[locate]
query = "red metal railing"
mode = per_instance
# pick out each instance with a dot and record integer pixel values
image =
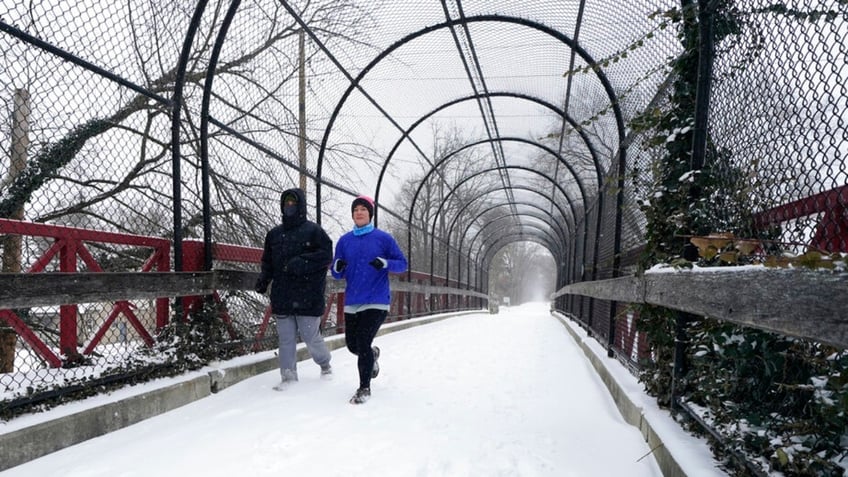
(831, 232)
(69, 249)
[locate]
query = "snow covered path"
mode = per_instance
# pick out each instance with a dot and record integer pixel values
(477, 395)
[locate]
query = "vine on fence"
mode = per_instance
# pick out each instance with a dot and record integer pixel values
(779, 401)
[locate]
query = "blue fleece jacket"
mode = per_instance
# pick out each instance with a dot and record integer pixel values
(366, 285)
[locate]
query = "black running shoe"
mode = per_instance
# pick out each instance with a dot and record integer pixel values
(376, 369)
(361, 395)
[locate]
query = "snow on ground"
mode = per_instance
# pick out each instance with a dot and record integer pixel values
(477, 395)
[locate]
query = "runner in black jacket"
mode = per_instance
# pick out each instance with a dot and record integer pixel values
(295, 261)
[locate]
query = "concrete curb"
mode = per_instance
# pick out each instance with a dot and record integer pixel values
(30, 443)
(630, 411)
(23, 445)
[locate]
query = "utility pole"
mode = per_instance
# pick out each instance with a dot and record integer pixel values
(12, 243)
(301, 110)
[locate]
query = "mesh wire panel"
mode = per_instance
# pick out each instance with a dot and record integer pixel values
(100, 148)
(86, 144)
(782, 141)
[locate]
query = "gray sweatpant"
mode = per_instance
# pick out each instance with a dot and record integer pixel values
(288, 327)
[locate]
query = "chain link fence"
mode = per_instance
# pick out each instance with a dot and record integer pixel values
(142, 133)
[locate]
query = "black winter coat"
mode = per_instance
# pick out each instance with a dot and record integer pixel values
(295, 260)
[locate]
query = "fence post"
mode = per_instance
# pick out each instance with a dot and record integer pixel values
(681, 339)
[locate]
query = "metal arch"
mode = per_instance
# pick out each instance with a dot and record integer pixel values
(515, 237)
(527, 169)
(463, 181)
(531, 143)
(449, 24)
(176, 110)
(551, 246)
(549, 198)
(557, 240)
(424, 180)
(550, 179)
(558, 245)
(204, 131)
(534, 231)
(560, 251)
(580, 131)
(495, 246)
(562, 233)
(409, 220)
(484, 171)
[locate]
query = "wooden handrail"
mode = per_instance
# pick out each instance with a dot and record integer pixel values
(809, 304)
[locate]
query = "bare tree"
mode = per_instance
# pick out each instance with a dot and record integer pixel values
(100, 155)
(436, 208)
(523, 271)
(256, 67)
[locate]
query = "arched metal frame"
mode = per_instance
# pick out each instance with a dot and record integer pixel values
(560, 112)
(463, 181)
(575, 47)
(477, 174)
(204, 131)
(525, 188)
(355, 85)
(508, 166)
(586, 140)
(554, 244)
(453, 154)
(563, 232)
(497, 245)
(355, 82)
(176, 110)
(599, 178)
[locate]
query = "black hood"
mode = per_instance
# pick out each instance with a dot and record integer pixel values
(301, 207)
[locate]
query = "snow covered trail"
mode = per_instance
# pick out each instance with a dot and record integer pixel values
(478, 395)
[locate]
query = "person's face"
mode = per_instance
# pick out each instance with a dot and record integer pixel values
(360, 216)
(289, 206)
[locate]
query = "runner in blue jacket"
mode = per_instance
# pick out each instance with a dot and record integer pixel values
(364, 258)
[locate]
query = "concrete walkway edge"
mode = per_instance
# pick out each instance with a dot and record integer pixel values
(630, 411)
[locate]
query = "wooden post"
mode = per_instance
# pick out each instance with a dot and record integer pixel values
(12, 243)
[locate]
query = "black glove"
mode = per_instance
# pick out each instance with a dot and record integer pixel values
(340, 265)
(377, 263)
(260, 286)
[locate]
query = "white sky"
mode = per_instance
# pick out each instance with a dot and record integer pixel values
(510, 394)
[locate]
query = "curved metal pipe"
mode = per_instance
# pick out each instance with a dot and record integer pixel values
(449, 24)
(176, 110)
(204, 132)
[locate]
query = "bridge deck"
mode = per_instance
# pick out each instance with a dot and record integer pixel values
(506, 394)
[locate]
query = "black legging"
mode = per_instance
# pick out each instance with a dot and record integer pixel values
(360, 330)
